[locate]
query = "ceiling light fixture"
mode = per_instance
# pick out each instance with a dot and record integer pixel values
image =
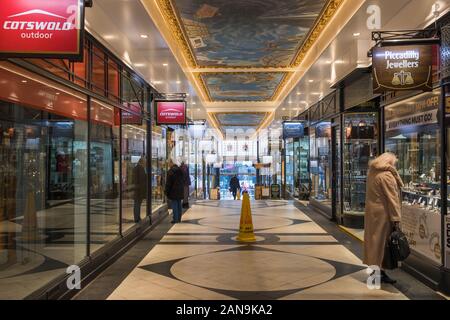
(357, 34)
(283, 109)
(298, 93)
(165, 64)
(310, 81)
(178, 82)
(144, 36)
(24, 81)
(138, 65)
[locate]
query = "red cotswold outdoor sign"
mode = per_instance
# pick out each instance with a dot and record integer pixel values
(41, 28)
(170, 112)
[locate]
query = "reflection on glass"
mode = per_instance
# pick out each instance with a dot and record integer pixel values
(104, 192)
(135, 182)
(43, 178)
(158, 166)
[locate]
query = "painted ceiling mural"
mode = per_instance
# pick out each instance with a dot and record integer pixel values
(242, 86)
(240, 119)
(245, 50)
(247, 33)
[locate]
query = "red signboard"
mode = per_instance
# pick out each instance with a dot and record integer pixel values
(41, 28)
(170, 112)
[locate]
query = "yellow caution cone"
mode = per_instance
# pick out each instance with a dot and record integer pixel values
(238, 194)
(246, 225)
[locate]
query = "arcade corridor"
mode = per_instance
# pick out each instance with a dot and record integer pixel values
(200, 259)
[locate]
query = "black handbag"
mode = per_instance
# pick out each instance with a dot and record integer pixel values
(398, 245)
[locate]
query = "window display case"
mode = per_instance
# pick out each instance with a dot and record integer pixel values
(290, 166)
(360, 146)
(320, 163)
(413, 134)
(302, 168)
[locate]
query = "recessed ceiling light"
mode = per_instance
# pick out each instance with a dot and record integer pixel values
(298, 93)
(310, 81)
(165, 64)
(290, 102)
(316, 93)
(24, 81)
(284, 109)
(193, 102)
(357, 34)
(138, 65)
(57, 93)
(157, 82)
(198, 109)
(144, 36)
(109, 36)
(187, 94)
(178, 82)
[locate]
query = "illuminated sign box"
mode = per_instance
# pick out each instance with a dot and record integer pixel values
(42, 29)
(170, 112)
(293, 130)
(399, 68)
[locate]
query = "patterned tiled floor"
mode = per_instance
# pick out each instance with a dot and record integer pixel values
(294, 258)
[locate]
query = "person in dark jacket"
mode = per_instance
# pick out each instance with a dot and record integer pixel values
(187, 182)
(140, 187)
(235, 185)
(175, 190)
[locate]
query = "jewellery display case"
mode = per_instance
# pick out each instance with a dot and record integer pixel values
(302, 168)
(360, 146)
(320, 163)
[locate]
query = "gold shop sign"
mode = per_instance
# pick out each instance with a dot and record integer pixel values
(399, 68)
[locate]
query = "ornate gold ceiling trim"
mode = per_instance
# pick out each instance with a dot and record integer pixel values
(175, 24)
(198, 77)
(287, 77)
(315, 32)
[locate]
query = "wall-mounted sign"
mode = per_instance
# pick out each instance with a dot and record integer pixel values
(170, 112)
(399, 68)
(293, 130)
(42, 29)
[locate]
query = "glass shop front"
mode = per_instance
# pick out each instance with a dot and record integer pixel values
(71, 150)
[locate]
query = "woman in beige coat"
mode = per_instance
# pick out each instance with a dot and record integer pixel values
(383, 210)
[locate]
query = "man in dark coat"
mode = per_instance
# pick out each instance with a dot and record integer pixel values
(234, 186)
(140, 187)
(187, 182)
(175, 190)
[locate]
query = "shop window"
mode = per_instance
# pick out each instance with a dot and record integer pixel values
(80, 69)
(104, 166)
(135, 180)
(320, 163)
(43, 181)
(113, 80)
(360, 146)
(98, 71)
(159, 166)
(413, 134)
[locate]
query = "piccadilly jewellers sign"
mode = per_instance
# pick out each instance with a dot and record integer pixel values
(170, 112)
(41, 28)
(401, 68)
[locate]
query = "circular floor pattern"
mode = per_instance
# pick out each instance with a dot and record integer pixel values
(232, 222)
(248, 270)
